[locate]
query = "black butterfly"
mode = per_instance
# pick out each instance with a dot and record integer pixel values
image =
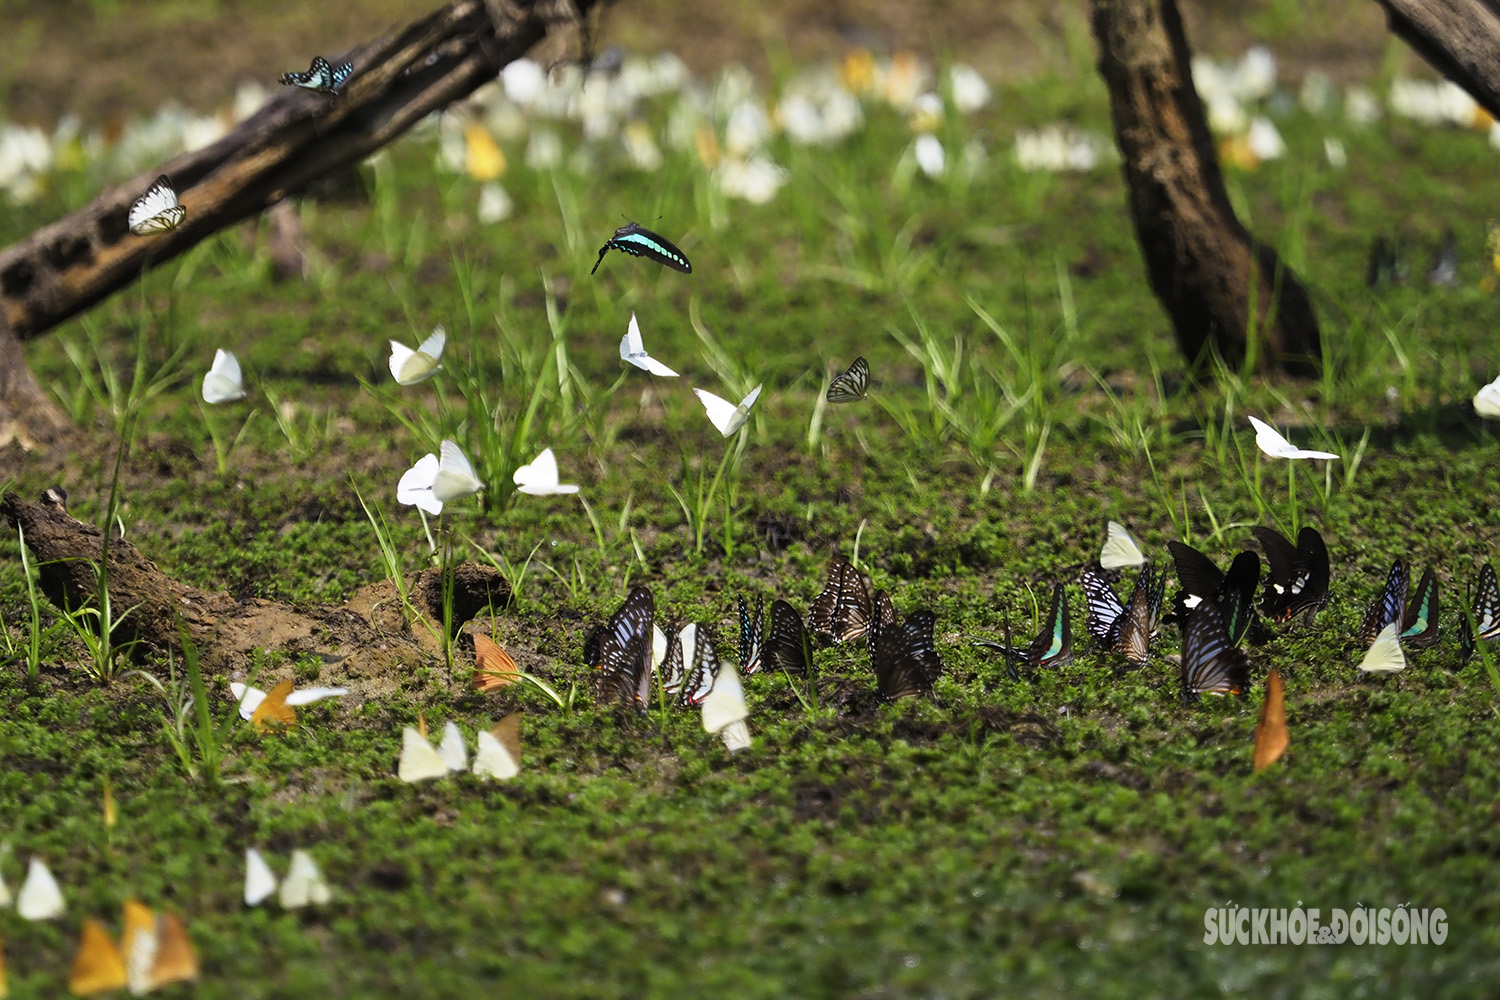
(621, 651)
(672, 665)
(842, 611)
(1387, 607)
(1485, 607)
(851, 386)
(641, 242)
(905, 656)
(320, 76)
(695, 649)
(1211, 663)
(1233, 592)
(752, 633)
(882, 615)
(1126, 628)
(1298, 580)
(1420, 623)
(1053, 645)
(786, 647)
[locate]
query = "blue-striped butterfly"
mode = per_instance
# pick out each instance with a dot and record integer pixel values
(842, 611)
(905, 656)
(1299, 575)
(1121, 627)
(621, 651)
(1419, 625)
(786, 646)
(320, 76)
(853, 385)
(1232, 591)
(1211, 663)
(1485, 607)
(1388, 606)
(1053, 645)
(641, 242)
(156, 211)
(752, 634)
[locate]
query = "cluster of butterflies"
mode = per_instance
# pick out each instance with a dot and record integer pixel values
(497, 754)
(159, 211)
(303, 886)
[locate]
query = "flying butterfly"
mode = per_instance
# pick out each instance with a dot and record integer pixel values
(1419, 625)
(752, 634)
(905, 657)
(842, 611)
(156, 211)
(1299, 576)
(621, 652)
(638, 241)
(1388, 605)
(1126, 628)
(1053, 645)
(853, 385)
(1211, 663)
(786, 647)
(320, 77)
(1233, 592)
(1121, 550)
(1485, 607)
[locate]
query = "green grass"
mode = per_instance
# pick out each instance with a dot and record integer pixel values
(1057, 835)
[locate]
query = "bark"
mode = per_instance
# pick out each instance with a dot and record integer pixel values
(1460, 38)
(1214, 279)
(29, 419)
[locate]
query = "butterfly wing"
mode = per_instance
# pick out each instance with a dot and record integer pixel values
(156, 211)
(906, 659)
(1235, 596)
(1419, 625)
(641, 242)
(1211, 663)
(853, 385)
(679, 652)
(260, 881)
(1198, 576)
(623, 651)
(1104, 608)
(224, 382)
(704, 670)
(1313, 573)
(98, 965)
(1131, 634)
(1121, 550)
(318, 77)
(752, 634)
(1385, 655)
(273, 712)
(786, 647)
(1271, 736)
(1053, 645)
(842, 611)
(1299, 575)
(493, 666)
(420, 760)
(455, 476)
(498, 754)
(1388, 604)
(340, 75)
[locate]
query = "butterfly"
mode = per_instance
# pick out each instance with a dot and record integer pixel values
(223, 383)
(724, 711)
(98, 965)
(905, 657)
(498, 753)
(882, 615)
(1233, 592)
(156, 950)
(493, 666)
(641, 242)
(1053, 645)
(455, 476)
(633, 350)
(752, 633)
(304, 884)
(320, 76)
(39, 897)
(724, 415)
(786, 648)
(842, 611)
(1126, 628)
(1486, 611)
(260, 881)
(693, 665)
(853, 385)
(273, 711)
(156, 211)
(250, 698)
(1121, 550)
(622, 652)
(1298, 580)
(1419, 625)
(1487, 400)
(540, 477)
(1211, 663)
(1268, 440)
(1388, 605)
(1385, 655)
(408, 367)
(420, 760)
(1271, 736)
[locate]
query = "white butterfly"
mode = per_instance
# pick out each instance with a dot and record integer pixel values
(455, 476)
(1385, 655)
(156, 211)
(1121, 550)
(498, 754)
(304, 884)
(727, 417)
(420, 760)
(260, 881)
(634, 351)
(415, 487)
(408, 367)
(251, 697)
(1273, 444)
(452, 750)
(724, 710)
(223, 382)
(39, 898)
(1487, 400)
(540, 477)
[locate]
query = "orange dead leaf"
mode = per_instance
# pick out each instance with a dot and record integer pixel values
(1271, 737)
(493, 667)
(273, 709)
(98, 966)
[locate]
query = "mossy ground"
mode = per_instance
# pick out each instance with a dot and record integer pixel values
(1061, 834)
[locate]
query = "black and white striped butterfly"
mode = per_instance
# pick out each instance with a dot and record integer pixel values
(156, 211)
(1388, 606)
(882, 615)
(1053, 645)
(1126, 628)
(905, 656)
(1211, 663)
(1233, 592)
(621, 651)
(842, 611)
(691, 665)
(1484, 605)
(752, 634)
(1299, 576)
(320, 76)
(786, 646)
(853, 385)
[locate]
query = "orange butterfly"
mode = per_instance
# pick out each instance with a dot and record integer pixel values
(274, 711)
(1271, 737)
(98, 966)
(493, 667)
(156, 949)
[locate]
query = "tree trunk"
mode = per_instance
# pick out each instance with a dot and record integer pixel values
(296, 137)
(1213, 278)
(1460, 38)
